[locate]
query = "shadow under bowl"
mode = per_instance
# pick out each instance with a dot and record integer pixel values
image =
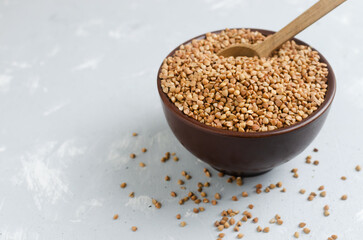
(246, 154)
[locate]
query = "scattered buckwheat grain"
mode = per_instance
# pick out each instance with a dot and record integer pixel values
(326, 213)
(240, 235)
(217, 196)
(239, 181)
(232, 221)
(306, 230)
(207, 173)
(272, 221)
(247, 214)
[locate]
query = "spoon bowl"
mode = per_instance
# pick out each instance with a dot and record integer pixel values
(237, 50)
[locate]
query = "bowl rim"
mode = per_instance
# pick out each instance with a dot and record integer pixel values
(228, 133)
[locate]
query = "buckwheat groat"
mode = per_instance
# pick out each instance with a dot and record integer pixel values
(245, 94)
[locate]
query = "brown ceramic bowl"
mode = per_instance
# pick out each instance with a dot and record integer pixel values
(246, 154)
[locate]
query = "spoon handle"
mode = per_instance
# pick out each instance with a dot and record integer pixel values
(303, 21)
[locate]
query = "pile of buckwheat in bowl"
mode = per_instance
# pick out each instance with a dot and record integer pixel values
(245, 94)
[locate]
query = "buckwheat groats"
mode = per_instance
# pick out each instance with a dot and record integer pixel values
(245, 94)
(203, 196)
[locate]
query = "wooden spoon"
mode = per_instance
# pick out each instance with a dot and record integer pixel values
(265, 48)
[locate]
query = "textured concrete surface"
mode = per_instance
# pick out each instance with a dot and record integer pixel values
(78, 77)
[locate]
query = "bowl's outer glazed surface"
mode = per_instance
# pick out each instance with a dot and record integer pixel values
(246, 154)
(239, 155)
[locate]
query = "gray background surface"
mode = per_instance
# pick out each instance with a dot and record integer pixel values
(78, 77)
